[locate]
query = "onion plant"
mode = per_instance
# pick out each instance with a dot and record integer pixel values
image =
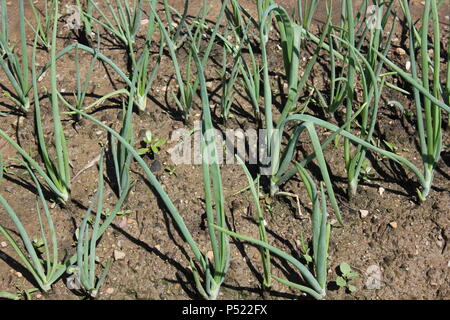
(50, 180)
(290, 38)
(280, 166)
(120, 155)
(86, 12)
(198, 29)
(235, 19)
(14, 63)
(212, 181)
(175, 29)
(124, 24)
(184, 102)
(146, 78)
(57, 175)
(42, 262)
(9, 296)
(306, 12)
(57, 169)
(85, 268)
(228, 82)
(146, 75)
(84, 271)
(291, 56)
(366, 67)
(370, 71)
(265, 253)
(188, 87)
(310, 122)
(81, 92)
(291, 53)
(43, 22)
(239, 21)
(19, 295)
(41, 257)
(82, 86)
(251, 75)
(316, 279)
(428, 111)
(127, 80)
(249, 72)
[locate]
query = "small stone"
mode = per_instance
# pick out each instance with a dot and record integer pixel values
(19, 275)
(41, 77)
(144, 22)
(123, 223)
(3, 244)
(393, 224)
(210, 255)
(408, 65)
(400, 51)
(363, 213)
(381, 191)
(110, 291)
(119, 255)
(155, 166)
(106, 118)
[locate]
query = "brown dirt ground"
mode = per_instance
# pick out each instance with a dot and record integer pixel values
(414, 256)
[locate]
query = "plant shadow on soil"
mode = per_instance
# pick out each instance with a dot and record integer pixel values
(413, 256)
